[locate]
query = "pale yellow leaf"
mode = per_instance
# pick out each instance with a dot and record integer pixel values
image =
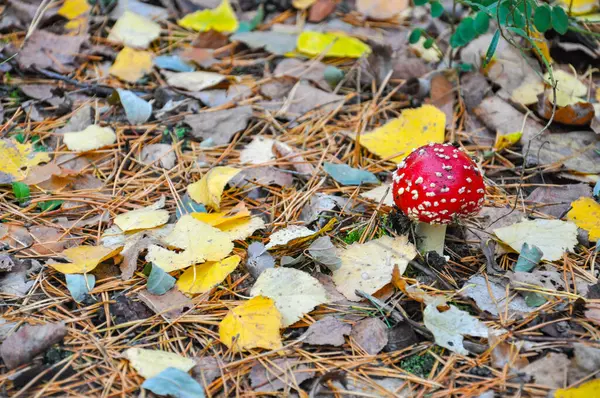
(84, 258)
(17, 159)
(569, 89)
(193, 81)
(369, 266)
(585, 213)
(381, 192)
(285, 235)
(203, 277)
(220, 19)
(209, 189)
(141, 219)
(303, 4)
(295, 292)
(93, 137)
(381, 9)
(331, 44)
(579, 7)
(242, 228)
(149, 363)
(133, 30)
(431, 54)
(527, 93)
(254, 324)
(552, 237)
(131, 65)
(413, 129)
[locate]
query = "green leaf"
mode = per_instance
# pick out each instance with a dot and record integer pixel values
(21, 191)
(80, 285)
(20, 138)
(50, 205)
(526, 7)
(428, 43)
(159, 282)
(530, 257)
(420, 2)
(466, 29)
(560, 20)
(248, 26)
(492, 48)
(456, 41)
(518, 19)
(333, 75)
(482, 22)
(504, 13)
(437, 9)
(415, 35)
(542, 19)
(533, 299)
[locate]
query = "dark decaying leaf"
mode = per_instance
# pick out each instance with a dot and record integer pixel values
(219, 126)
(171, 304)
(327, 331)
(370, 334)
(556, 200)
(283, 373)
(48, 50)
(29, 341)
(259, 259)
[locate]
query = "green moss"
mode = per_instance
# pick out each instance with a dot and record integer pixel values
(419, 364)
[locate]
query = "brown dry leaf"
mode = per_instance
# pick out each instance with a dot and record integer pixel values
(550, 371)
(29, 341)
(161, 155)
(308, 70)
(578, 113)
(207, 369)
(575, 150)
(51, 241)
(134, 246)
(39, 174)
(262, 176)
(220, 126)
(47, 50)
(279, 374)
(556, 200)
(171, 304)
(321, 10)
(201, 56)
(15, 236)
(303, 98)
(504, 353)
(370, 334)
(131, 65)
(292, 156)
(327, 331)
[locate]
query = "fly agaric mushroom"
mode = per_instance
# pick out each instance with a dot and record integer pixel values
(435, 185)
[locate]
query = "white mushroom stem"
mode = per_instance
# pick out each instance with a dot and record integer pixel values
(431, 237)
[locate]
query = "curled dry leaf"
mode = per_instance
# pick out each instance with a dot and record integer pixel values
(575, 113)
(209, 189)
(287, 235)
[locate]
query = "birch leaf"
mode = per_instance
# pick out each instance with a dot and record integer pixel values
(450, 327)
(209, 189)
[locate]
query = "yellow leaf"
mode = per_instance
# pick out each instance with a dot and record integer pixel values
(141, 219)
(199, 241)
(579, 7)
(431, 54)
(254, 324)
(586, 390)
(569, 89)
(303, 4)
(332, 44)
(193, 81)
(238, 226)
(224, 217)
(414, 128)
(93, 137)
(507, 140)
(221, 19)
(149, 363)
(72, 9)
(131, 65)
(203, 277)
(16, 159)
(585, 213)
(542, 45)
(84, 258)
(527, 93)
(133, 30)
(209, 189)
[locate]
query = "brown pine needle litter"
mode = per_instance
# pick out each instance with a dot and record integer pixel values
(540, 324)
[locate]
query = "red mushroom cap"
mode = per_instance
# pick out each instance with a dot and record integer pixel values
(438, 183)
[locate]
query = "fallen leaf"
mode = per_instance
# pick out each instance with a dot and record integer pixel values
(303, 4)
(93, 137)
(29, 341)
(193, 81)
(585, 213)
(431, 54)
(529, 258)
(292, 156)
(43, 92)
(209, 189)
(83, 259)
(573, 112)
(159, 282)
(327, 331)
(146, 10)
(207, 369)
(72, 9)
(274, 42)
(162, 155)
(259, 259)
(17, 159)
(331, 44)
(450, 327)
(219, 126)
(504, 141)
(382, 194)
(493, 297)
(501, 117)
(46, 50)
(281, 373)
(584, 363)
(170, 305)
(200, 242)
(321, 10)
(131, 65)
(265, 175)
(150, 363)
(286, 235)
(578, 7)
(174, 382)
(552, 237)
(16, 283)
(173, 63)
(413, 129)
(312, 70)
(575, 150)
(324, 252)
(380, 10)
(220, 19)
(303, 98)
(527, 93)
(203, 278)
(258, 151)
(135, 31)
(588, 389)
(80, 285)
(254, 324)
(324, 204)
(505, 353)
(370, 334)
(144, 218)
(347, 175)
(368, 266)
(137, 110)
(217, 97)
(294, 292)
(550, 371)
